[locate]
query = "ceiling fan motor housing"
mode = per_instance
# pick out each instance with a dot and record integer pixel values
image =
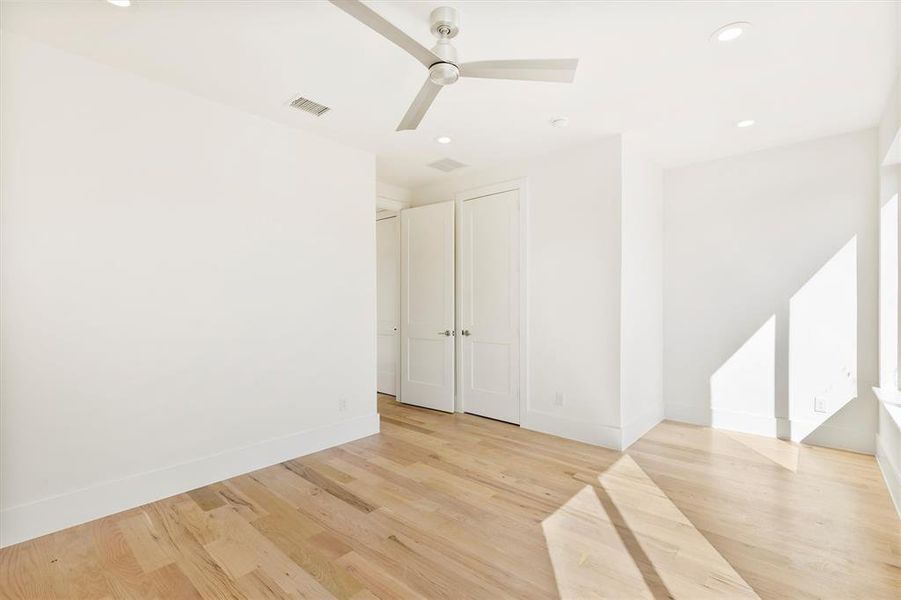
(444, 73)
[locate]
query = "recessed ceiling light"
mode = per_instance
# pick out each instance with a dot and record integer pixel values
(560, 122)
(443, 139)
(730, 32)
(745, 123)
(120, 3)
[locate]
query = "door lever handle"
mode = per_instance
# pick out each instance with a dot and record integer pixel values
(446, 332)
(465, 332)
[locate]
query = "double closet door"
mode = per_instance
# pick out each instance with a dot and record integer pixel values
(460, 306)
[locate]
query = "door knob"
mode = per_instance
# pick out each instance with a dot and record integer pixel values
(465, 332)
(446, 332)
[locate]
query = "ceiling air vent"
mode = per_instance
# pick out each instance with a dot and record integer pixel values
(306, 105)
(447, 165)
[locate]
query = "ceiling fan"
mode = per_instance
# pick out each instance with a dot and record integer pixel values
(441, 60)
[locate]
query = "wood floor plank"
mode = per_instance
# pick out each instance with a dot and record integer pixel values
(72, 564)
(118, 565)
(151, 549)
(323, 481)
(257, 584)
(376, 579)
(170, 583)
(204, 573)
(240, 548)
(25, 572)
(207, 498)
(455, 506)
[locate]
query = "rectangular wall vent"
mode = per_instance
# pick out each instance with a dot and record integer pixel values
(446, 164)
(307, 105)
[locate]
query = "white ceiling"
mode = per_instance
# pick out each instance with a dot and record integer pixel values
(805, 69)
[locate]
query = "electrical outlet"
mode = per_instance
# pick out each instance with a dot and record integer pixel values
(342, 404)
(819, 404)
(558, 399)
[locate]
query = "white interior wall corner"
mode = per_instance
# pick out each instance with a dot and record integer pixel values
(383, 189)
(745, 237)
(641, 342)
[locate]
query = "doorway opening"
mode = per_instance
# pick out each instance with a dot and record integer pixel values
(387, 228)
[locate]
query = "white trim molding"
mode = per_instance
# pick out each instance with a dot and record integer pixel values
(733, 420)
(888, 395)
(831, 436)
(27, 521)
(888, 446)
(774, 427)
(718, 418)
(382, 203)
(573, 429)
(890, 472)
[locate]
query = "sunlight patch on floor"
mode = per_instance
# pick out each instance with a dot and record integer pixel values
(652, 551)
(782, 452)
(688, 565)
(588, 555)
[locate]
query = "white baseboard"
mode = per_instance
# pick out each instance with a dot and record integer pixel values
(744, 422)
(641, 425)
(687, 413)
(821, 434)
(719, 418)
(890, 472)
(829, 436)
(573, 429)
(27, 521)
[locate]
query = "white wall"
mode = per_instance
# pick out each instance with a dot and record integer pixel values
(759, 245)
(889, 132)
(573, 290)
(642, 293)
(888, 437)
(173, 311)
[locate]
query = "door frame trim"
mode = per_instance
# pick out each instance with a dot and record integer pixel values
(520, 185)
(382, 216)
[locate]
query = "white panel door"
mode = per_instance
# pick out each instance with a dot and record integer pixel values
(427, 306)
(489, 311)
(387, 237)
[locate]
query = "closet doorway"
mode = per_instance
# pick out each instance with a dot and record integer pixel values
(463, 303)
(387, 241)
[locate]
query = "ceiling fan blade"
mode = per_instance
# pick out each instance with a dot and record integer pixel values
(561, 70)
(376, 22)
(420, 105)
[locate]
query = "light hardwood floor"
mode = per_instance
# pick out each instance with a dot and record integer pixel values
(455, 506)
